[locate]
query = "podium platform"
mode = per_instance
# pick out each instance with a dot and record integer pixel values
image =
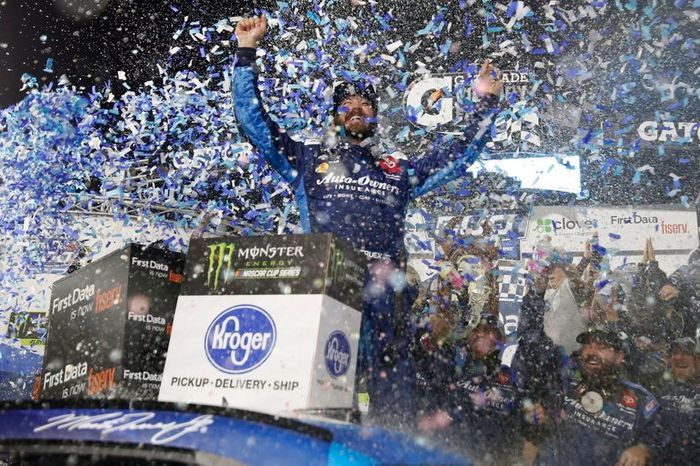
(109, 325)
(267, 323)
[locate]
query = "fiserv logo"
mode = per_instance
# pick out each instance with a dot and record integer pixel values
(337, 354)
(240, 339)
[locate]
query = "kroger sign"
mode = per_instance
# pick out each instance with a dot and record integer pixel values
(337, 354)
(240, 339)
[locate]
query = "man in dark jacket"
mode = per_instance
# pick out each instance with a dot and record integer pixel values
(680, 405)
(360, 196)
(478, 402)
(602, 417)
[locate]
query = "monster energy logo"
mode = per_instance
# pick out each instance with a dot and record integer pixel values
(218, 255)
(337, 260)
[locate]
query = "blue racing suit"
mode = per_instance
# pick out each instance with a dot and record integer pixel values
(583, 436)
(680, 421)
(347, 191)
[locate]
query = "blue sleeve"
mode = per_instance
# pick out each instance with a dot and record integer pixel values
(647, 428)
(277, 147)
(451, 156)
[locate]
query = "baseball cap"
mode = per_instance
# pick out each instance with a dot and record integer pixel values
(606, 333)
(345, 89)
(685, 343)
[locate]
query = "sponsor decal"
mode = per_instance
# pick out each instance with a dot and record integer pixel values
(164, 431)
(100, 381)
(147, 318)
(674, 228)
(290, 272)
(338, 264)
(322, 168)
(69, 373)
(650, 408)
(240, 339)
(676, 131)
(634, 219)
(337, 354)
(220, 254)
(629, 399)
(152, 265)
(107, 299)
(434, 102)
(362, 184)
(549, 225)
(175, 277)
(74, 297)
(141, 376)
(503, 378)
(270, 252)
(390, 165)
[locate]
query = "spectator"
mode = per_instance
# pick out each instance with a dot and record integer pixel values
(680, 405)
(652, 322)
(683, 291)
(482, 402)
(602, 418)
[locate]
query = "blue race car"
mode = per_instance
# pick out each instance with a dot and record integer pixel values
(149, 433)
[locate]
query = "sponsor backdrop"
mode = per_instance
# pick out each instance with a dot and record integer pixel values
(267, 323)
(109, 325)
(622, 231)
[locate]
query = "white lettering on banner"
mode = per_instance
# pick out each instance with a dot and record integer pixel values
(68, 373)
(74, 297)
(635, 219)
(247, 341)
(669, 131)
(270, 252)
(143, 376)
(149, 264)
(148, 318)
(365, 181)
(165, 433)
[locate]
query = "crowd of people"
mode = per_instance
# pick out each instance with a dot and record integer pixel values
(606, 369)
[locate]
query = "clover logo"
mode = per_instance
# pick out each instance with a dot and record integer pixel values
(544, 225)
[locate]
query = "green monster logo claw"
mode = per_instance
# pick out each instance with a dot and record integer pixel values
(337, 260)
(219, 254)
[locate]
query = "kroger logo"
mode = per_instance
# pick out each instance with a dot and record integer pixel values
(240, 339)
(337, 354)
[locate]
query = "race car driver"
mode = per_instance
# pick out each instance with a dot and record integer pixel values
(360, 196)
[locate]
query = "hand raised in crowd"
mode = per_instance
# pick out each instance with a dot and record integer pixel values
(649, 254)
(250, 31)
(637, 455)
(587, 249)
(668, 292)
(489, 80)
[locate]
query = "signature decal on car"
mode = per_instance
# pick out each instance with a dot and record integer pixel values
(164, 432)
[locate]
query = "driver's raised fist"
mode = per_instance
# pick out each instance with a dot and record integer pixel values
(249, 31)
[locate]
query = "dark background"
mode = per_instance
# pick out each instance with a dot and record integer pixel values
(91, 40)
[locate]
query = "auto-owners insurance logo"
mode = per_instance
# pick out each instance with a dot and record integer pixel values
(240, 339)
(337, 354)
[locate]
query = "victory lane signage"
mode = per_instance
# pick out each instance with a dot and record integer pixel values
(268, 323)
(235, 351)
(109, 326)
